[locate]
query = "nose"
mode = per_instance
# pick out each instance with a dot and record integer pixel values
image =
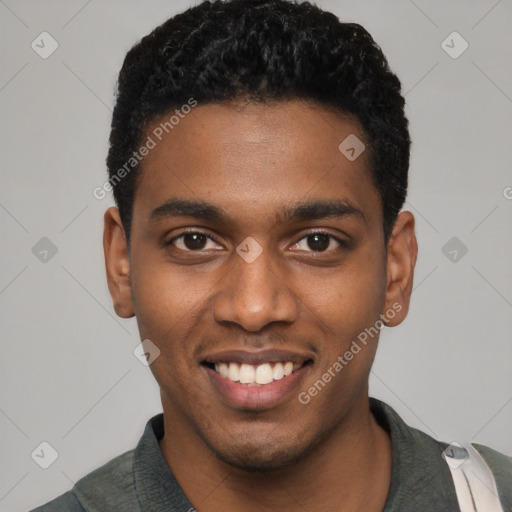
(254, 294)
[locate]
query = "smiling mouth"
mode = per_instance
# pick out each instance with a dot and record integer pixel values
(255, 375)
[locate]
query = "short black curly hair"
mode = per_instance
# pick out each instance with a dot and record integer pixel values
(262, 50)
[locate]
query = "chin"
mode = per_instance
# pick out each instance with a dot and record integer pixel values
(262, 457)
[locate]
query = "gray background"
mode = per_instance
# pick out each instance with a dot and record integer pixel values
(68, 373)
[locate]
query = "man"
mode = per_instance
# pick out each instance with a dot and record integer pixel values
(259, 157)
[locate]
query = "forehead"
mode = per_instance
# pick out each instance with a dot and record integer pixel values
(252, 159)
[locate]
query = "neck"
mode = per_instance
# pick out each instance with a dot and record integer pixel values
(350, 471)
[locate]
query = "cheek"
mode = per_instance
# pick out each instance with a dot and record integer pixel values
(350, 298)
(346, 305)
(167, 309)
(167, 302)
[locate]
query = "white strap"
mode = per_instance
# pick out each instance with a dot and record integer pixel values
(474, 482)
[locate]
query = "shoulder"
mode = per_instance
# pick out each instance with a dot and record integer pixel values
(108, 487)
(421, 473)
(495, 459)
(501, 468)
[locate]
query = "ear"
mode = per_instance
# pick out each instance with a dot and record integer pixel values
(117, 263)
(401, 259)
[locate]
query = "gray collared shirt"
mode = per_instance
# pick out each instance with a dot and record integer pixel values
(141, 480)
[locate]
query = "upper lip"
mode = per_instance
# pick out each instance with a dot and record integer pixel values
(257, 357)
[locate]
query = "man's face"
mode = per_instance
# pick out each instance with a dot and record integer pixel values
(203, 292)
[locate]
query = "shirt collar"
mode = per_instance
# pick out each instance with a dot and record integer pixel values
(417, 468)
(156, 486)
(419, 475)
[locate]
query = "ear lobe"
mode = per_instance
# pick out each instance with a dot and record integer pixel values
(117, 263)
(401, 260)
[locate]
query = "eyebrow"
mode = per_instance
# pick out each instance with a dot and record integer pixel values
(300, 211)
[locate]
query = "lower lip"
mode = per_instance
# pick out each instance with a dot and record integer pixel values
(255, 397)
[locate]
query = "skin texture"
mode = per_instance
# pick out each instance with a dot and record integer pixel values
(254, 160)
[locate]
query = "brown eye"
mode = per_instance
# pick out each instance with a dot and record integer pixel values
(191, 241)
(319, 242)
(194, 241)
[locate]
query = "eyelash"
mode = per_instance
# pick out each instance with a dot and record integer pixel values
(342, 243)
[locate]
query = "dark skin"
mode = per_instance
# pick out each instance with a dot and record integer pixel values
(314, 296)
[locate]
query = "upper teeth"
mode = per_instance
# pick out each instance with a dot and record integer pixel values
(256, 374)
